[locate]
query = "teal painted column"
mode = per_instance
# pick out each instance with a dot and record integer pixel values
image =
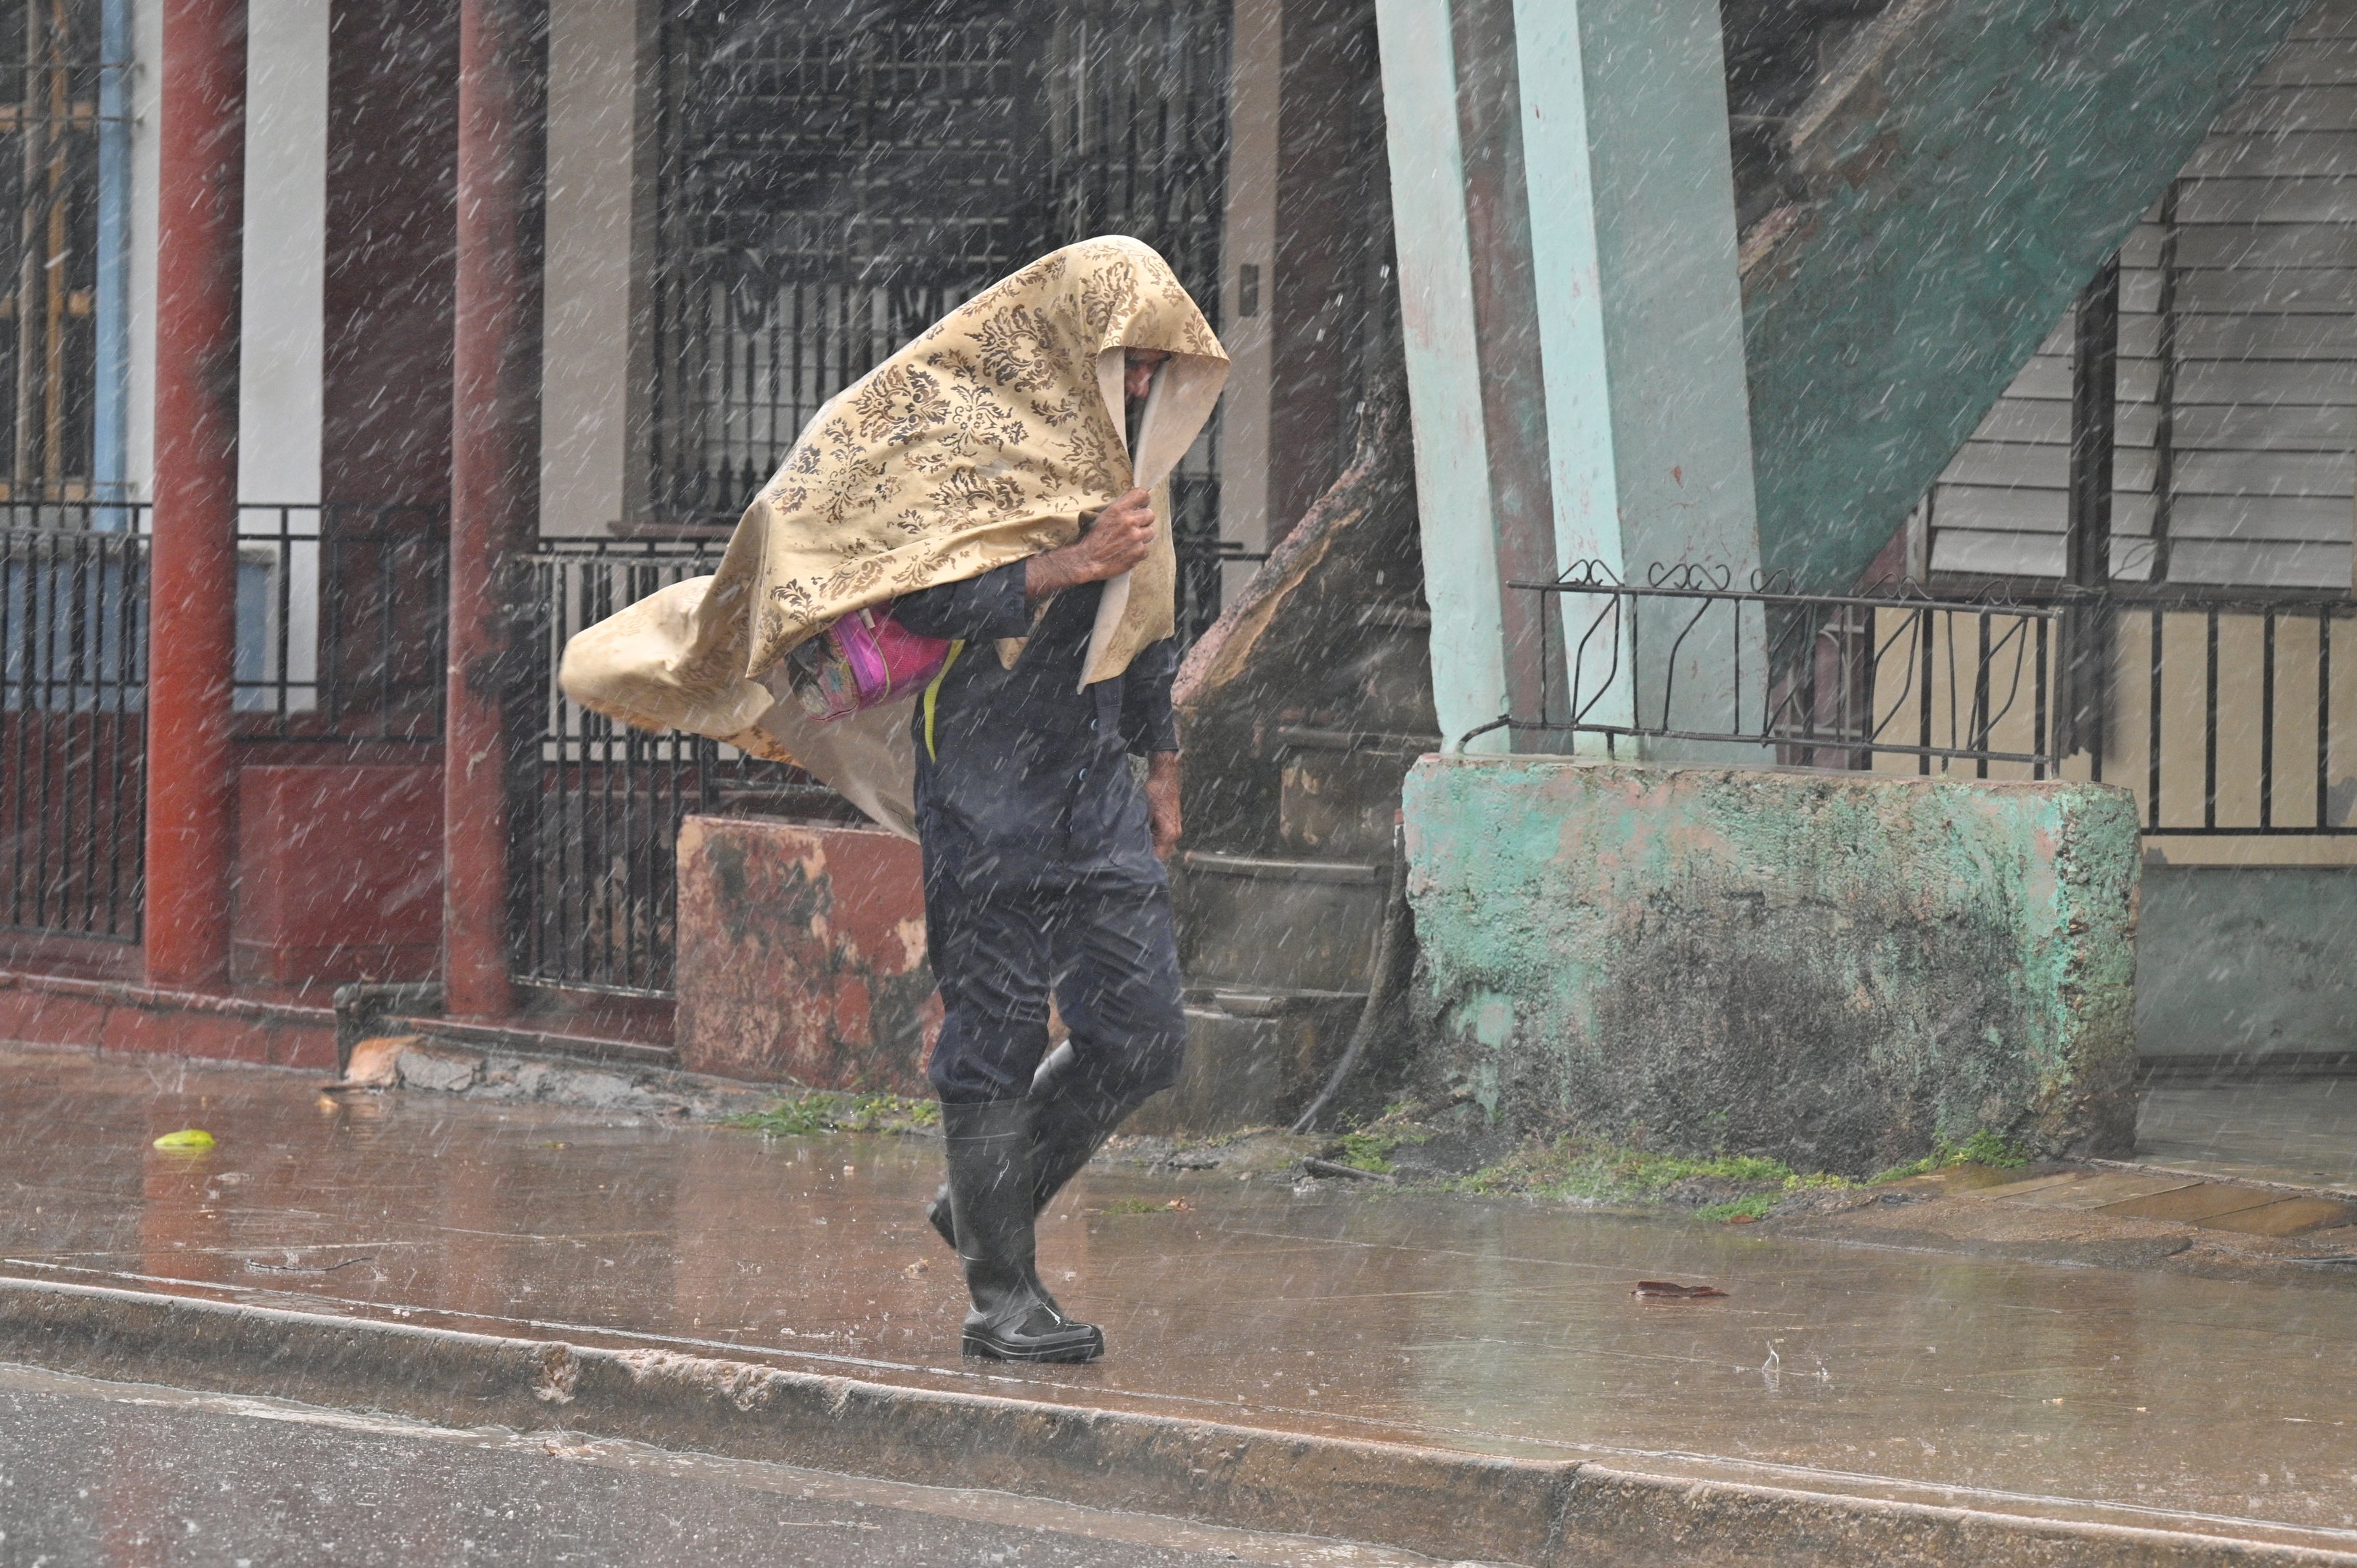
(1444, 366)
(1641, 321)
(1637, 308)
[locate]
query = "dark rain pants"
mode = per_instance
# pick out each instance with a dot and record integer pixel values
(1108, 955)
(1040, 876)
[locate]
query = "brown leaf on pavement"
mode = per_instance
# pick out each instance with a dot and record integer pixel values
(1662, 1290)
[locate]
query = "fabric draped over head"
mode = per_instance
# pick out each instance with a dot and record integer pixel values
(987, 440)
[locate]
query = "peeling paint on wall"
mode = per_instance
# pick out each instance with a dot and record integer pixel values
(1835, 970)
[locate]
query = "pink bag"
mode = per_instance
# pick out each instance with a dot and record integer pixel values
(862, 661)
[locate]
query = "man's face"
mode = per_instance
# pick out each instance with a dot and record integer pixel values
(1138, 375)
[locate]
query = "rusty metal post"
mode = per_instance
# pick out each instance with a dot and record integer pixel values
(494, 475)
(192, 625)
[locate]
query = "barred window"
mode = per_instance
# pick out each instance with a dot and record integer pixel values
(51, 119)
(835, 178)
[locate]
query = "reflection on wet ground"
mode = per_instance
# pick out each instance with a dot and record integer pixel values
(1493, 1325)
(2301, 1131)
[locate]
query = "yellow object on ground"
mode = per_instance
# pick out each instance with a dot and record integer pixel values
(186, 1141)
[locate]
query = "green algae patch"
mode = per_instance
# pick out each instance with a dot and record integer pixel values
(822, 1111)
(1370, 1148)
(1741, 1211)
(1721, 1187)
(1983, 1148)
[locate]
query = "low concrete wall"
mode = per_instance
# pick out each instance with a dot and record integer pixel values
(801, 956)
(2246, 960)
(1832, 969)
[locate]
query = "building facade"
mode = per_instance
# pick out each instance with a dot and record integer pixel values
(359, 354)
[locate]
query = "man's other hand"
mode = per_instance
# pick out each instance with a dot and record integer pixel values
(1117, 540)
(1162, 801)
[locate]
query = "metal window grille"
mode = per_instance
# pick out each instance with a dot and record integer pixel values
(832, 184)
(50, 125)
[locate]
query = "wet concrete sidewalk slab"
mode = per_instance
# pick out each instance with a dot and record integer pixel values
(1487, 1326)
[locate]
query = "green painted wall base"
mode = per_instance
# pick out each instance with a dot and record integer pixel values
(1833, 969)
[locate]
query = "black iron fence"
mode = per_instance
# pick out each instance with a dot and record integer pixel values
(599, 804)
(341, 612)
(73, 731)
(1767, 674)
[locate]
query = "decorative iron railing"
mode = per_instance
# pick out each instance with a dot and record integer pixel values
(1767, 674)
(2224, 715)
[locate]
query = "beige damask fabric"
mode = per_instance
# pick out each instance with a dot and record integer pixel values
(985, 441)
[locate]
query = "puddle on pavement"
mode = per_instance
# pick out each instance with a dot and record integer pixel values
(1497, 1325)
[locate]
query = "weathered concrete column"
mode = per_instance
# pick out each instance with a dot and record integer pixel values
(1441, 339)
(192, 567)
(1640, 320)
(494, 474)
(1610, 280)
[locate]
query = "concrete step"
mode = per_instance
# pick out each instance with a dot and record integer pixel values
(1339, 790)
(1254, 1059)
(1270, 924)
(1386, 681)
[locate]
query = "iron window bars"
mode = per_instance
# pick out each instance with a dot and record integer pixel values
(56, 100)
(827, 191)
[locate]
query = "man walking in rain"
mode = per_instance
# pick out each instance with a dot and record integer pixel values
(992, 486)
(1043, 872)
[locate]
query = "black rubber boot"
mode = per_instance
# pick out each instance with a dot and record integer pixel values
(1070, 1121)
(990, 1200)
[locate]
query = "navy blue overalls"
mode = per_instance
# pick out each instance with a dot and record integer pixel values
(1039, 855)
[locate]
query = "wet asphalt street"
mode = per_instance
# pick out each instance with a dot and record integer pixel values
(120, 1474)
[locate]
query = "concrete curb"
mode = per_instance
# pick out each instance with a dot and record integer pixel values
(1450, 1505)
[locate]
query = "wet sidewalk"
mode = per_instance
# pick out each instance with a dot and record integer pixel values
(2133, 1398)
